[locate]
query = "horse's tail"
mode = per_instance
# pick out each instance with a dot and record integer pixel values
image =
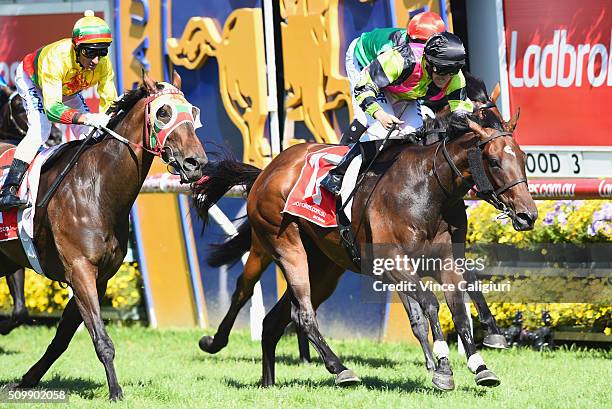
(232, 250)
(218, 178)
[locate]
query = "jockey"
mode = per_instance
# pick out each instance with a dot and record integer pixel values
(50, 81)
(393, 82)
(365, 48)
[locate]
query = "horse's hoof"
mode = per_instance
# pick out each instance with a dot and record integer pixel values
(347, 378)
(443, 382)
(497, 341)
(116, 396)
(207, 344)
(486, 378)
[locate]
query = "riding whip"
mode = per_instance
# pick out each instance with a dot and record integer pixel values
(66, 169)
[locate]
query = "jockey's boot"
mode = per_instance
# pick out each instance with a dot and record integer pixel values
(8, 194)
(333, 181)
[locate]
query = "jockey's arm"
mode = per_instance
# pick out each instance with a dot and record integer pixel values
(456, 94)
(387, 69)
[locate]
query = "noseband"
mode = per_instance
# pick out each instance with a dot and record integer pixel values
(19, 129)
(485, 188)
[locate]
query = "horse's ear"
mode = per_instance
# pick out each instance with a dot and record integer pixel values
(476, 128)
(495, 93)
(176, 79)
(511, 124)
(148, 82)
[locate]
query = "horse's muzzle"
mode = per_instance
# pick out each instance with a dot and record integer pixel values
(523, 221)
(192, 168)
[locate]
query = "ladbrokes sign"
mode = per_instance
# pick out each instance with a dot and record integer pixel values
(560, 70)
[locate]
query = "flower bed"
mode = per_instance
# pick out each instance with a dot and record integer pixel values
(562, 221)
(45, 297)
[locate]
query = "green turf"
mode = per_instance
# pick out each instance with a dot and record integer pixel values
(165, 368)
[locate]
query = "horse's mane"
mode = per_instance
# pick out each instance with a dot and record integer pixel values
(475, 88)
(123, 105)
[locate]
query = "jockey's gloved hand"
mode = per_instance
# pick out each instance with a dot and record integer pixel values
(96, 120)
(458, 123)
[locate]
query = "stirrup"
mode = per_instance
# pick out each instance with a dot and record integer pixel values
(9, 200)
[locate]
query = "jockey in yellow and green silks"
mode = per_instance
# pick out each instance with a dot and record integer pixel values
(50, 81)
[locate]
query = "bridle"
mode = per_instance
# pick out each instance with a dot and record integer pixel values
(19, 129)
(485, 190)
(154, 136)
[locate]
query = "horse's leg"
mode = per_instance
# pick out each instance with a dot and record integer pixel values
(256, 264)
(303, 347)
(324, 278)
(71, 319)
(83, 281)
(272, 332)
(457, 218)
(494, 337)
(420, 328)
(443, 374)
(455, 302)
(19, 315)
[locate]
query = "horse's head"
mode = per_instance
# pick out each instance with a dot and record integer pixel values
(170, 124)
(504, 167)
(15, 119)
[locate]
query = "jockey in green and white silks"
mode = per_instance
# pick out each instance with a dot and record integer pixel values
(368, 46)
(391, 85)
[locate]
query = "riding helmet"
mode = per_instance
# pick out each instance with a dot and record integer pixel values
(445, 53)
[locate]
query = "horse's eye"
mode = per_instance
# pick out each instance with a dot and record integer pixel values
(494, 163)
(163, 113)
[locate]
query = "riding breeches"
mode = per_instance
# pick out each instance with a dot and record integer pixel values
(411, 115)
(39, 126)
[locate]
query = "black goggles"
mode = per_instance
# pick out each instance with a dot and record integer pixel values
(446, 70)
(94, 52)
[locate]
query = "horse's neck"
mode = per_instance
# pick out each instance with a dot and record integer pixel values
(129, 164)
(457, 149)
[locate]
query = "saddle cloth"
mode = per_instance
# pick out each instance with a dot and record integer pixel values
(307, 200)
(20, 224)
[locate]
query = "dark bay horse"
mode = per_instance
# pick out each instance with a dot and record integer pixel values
(221, 255)
(82, 234)
(422, 186)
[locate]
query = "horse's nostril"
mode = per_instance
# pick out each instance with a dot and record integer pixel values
(525, 218)
(191, 164)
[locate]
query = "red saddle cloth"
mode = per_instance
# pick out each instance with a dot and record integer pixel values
(307, 200)
(8, 219)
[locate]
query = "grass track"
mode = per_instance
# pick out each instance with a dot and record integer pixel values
(165, 369)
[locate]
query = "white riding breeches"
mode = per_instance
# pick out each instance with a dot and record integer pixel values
(39, 126)
(411, 115)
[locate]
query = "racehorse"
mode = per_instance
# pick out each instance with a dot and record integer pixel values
(82, 233)
(423, 186)
(226, 254)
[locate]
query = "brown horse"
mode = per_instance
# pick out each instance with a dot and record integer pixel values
(422, 186)
(82, 234)
(221, 255)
